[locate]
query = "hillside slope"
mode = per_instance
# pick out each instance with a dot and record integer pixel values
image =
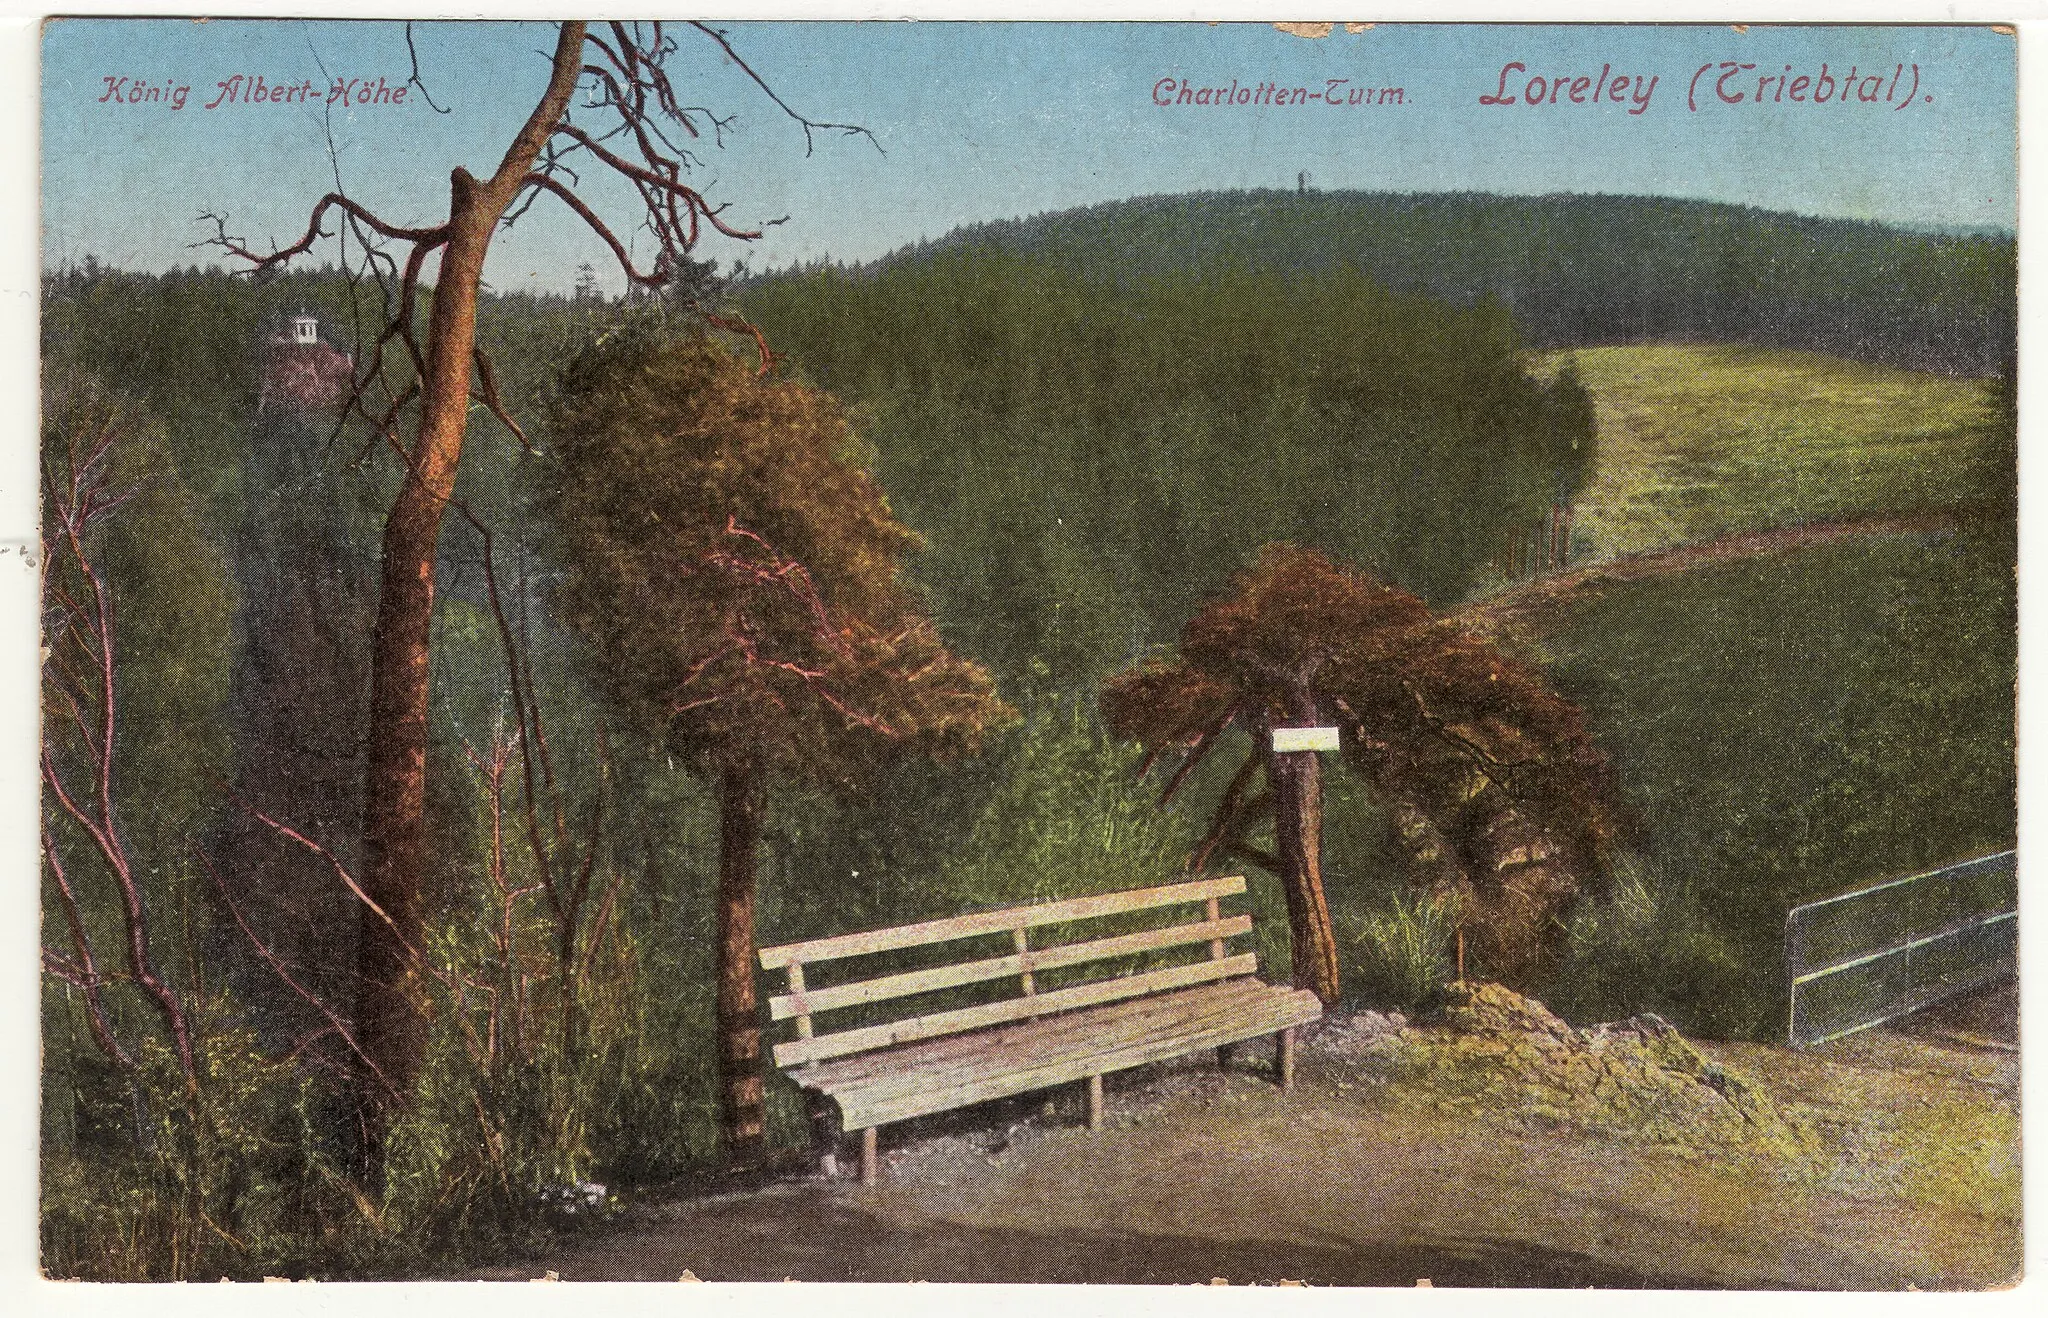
(1574, 270)
(1696, 441)
(1792, 628)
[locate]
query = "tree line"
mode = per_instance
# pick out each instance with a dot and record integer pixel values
(1574, 270)
(571, 922)
(1088, 461)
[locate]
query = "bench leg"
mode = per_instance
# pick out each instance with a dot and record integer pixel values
(1095, 1102)
(869, 1157)
(1224, 1054)
(1283, 1060)
(825, 1133)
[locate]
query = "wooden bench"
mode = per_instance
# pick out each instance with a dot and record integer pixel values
(861, 1077)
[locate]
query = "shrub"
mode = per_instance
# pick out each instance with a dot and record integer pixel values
(1650, 946)
(1070, 818)
(1402, 951)
(143, 1181)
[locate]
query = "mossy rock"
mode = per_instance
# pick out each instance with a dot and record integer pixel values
(1500, 1053)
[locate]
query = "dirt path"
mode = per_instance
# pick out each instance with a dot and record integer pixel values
(1203, 1174)
(1514, 612)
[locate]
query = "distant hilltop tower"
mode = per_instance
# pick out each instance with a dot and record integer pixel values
(302, 371)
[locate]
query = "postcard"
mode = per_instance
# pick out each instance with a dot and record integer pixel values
(1328, 654)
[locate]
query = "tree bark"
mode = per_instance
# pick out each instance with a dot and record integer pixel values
(1297, 778)
(390, 1023)
(1298, 834)
(741, 802)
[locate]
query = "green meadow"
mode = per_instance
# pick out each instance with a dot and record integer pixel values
(1697, 440)
(1800, 723)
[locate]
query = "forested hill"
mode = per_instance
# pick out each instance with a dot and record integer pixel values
(1575, 270)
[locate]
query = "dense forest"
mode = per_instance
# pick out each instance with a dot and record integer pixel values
(1574, 270)
(1090, 423)
(1089, 461)
(1071, 520)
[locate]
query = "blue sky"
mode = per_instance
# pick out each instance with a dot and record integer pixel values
(988, 121)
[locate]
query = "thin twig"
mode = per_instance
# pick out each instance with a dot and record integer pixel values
(809, 125)
(415, 80)
(271, 959)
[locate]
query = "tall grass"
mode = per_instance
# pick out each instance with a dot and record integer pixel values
(1401, 951)
(145, 1181)
(1071, 817)
(1796, 726)
(1648, 945)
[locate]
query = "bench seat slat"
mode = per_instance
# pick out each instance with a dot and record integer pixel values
(943, 1058)
(1042, 1054)
(993, 1013)
(939, 1065)
(878, 1107)
(1000, 921)
(1045, 1072)
(881, 989)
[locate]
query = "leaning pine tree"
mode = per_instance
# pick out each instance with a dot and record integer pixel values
(738, 578)
(1494, 789)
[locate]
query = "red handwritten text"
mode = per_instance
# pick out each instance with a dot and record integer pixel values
(1728, 83)
(1330, 92)
(1576, 89)
(1715, 84)
(255, 89)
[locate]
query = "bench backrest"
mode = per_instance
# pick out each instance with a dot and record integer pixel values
(1208, 925)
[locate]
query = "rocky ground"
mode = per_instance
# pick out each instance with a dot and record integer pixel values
(1498, 1146)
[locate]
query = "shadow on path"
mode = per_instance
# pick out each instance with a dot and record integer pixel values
(816, 1237)
(1986, 1018)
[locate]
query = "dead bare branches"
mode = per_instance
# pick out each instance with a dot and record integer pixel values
(84, 972)
(809, 126)
(640, 133)
(78, 752)
(270, 958)
(630, 123)
(414, 80)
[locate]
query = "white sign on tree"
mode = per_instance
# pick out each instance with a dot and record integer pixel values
(1304, 739)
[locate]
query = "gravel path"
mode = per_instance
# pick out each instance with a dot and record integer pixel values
(1202, 1174)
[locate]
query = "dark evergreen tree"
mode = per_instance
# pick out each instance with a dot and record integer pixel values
(738, 579)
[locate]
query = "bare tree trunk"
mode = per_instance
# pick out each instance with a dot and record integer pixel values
(741, 802)
(389, 1020)
(1297, 778)
(1298, 831)
(388, 1017)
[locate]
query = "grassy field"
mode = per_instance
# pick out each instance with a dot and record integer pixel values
(1797, 725)
(1699, 440)
(1793, 723)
